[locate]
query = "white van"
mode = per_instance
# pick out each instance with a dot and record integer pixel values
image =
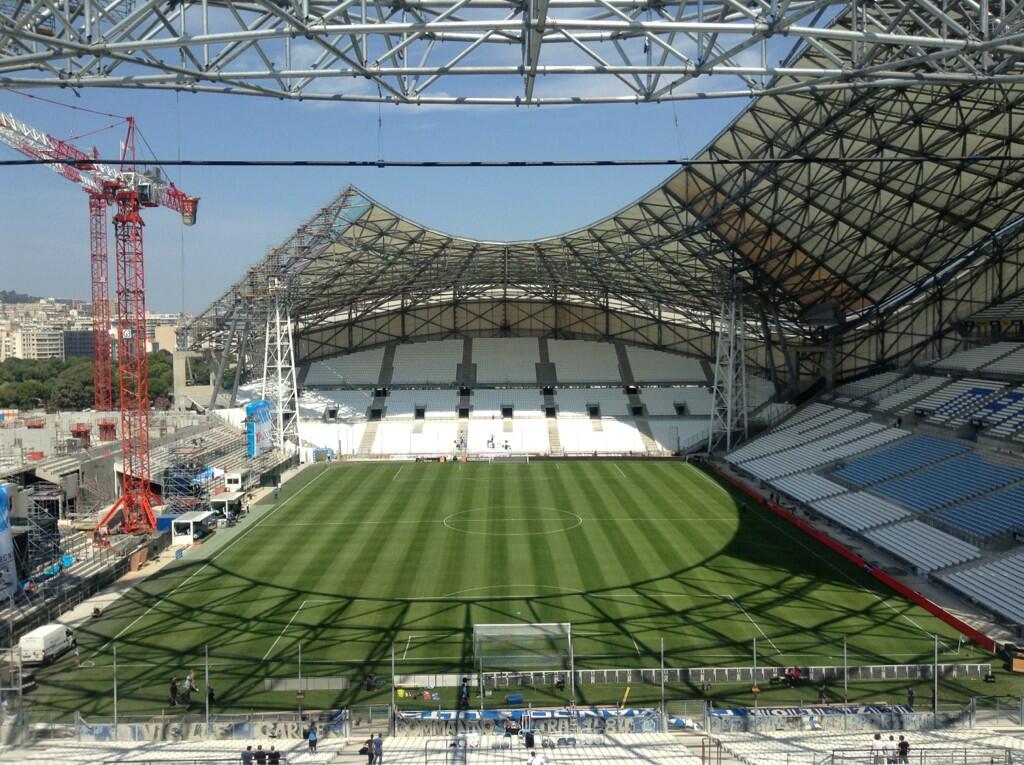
(45, 643)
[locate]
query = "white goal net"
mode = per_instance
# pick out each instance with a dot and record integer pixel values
(499, 647)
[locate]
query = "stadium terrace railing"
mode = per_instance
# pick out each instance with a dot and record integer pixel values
(701, 675)
(927, 756)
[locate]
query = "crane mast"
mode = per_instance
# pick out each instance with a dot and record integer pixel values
(130, 191)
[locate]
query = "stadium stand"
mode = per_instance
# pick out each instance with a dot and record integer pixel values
(960, 478)
(1011, 364)
(922, 546)
(954, 403)
(999, 410)
(867, 386)
(811, 422)
(490, 436)
(804, 748)
(664, 401)
(822, 451)
(988, 516)
(360, 368)
(348, 404)
(974, 359)
(859, 510)
(293, 752)
(615, 437)
(436, 403)
(679, 434)
(525, 402)
(807, 487)
(920, 385)
(995, 584)
(584, 361)
(433, 362)
(575, 402)
(506, 359)
(651, 366)
(909, 454)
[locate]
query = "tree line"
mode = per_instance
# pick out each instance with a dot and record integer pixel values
(55, 384)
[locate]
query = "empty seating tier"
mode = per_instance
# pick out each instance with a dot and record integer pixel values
(1010, 364)
(985, 517)
(506, 359)
(808, 487)
(900, 400)
(940, 485)
(909, 454)
(488, 403)
(435, 403)
(975, 358)
(576, 402)
(822, 451)
(997, 584)
(361, 368)
(678, 434)
(924, 547)
(435, 362)
(868, 385)
(583, 361)
(859, 510)
(651, 366)
(666, 401)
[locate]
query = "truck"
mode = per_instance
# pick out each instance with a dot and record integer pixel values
(43, 644)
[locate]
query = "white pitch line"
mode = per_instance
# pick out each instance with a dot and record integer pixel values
(283, 630)
(214, 557)
(406, 651)
(399, 471)
(620, 470)
(741, 608)
(635, 645)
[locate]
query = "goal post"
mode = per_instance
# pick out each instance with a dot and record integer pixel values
(523, 646)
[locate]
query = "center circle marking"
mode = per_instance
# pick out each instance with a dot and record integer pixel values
(570, 519)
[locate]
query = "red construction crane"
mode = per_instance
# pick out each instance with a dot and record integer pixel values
(130, 190)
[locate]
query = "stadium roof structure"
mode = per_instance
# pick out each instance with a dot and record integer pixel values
(452, 52)
(862, 223)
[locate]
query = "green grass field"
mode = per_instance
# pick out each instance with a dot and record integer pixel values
(355, 559)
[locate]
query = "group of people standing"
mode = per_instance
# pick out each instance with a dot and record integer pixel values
(182, 694)
(890, 752)
(374, 750)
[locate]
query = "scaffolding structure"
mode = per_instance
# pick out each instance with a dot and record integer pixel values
(186, 481)
(45, 507)
(280, 384)
(729, 391)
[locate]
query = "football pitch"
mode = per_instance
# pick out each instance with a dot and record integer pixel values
(356, 563)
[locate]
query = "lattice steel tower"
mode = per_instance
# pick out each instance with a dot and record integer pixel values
(729, 391)
(280, 385)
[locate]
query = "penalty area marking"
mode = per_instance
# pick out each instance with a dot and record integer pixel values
(741, 608)
(214, 557)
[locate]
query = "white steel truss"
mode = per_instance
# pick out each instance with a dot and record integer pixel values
(280, 384)
(729, 390)
(512, 52)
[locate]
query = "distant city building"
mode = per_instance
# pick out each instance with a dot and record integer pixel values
(77, 343)
(39, 342)
(62, 328)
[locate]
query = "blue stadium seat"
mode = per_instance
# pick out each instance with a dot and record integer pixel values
(940, 485)
(988, 516)
(909, 454)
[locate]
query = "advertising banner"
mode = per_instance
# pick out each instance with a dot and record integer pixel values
(8, 572)
(258, 423)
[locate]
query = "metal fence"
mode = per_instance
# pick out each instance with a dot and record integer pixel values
(927, 756)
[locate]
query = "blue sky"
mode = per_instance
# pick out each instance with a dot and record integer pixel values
(43, 218)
